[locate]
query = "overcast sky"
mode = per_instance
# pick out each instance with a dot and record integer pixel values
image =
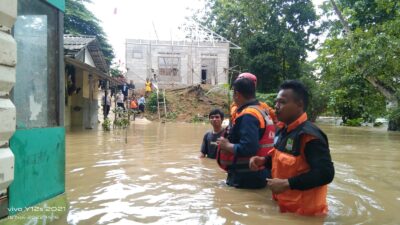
(143, 19)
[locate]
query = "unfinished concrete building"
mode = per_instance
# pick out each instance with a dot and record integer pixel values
(201, 57)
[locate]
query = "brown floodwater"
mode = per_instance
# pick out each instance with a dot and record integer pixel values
(157, 178)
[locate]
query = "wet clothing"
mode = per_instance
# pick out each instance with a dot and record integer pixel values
(133, 104)
(245, 135)
(227, 160)
(120, 100)
(107, 106)
(141, 103)
(271, 111)
(209, 145)
(301, 155)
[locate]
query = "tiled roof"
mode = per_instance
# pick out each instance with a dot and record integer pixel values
(74, 43)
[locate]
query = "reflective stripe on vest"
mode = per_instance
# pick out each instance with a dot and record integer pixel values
(241, 164)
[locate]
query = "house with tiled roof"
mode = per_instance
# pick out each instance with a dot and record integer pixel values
(85, 69)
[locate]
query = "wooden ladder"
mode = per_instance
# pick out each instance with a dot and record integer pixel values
(161, 103)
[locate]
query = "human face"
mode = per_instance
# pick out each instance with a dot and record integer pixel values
(237, 98)
(216, 121)
(287, 107)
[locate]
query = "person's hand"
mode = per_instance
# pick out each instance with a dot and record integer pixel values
(202, 155)
(277, 185)
(257, 163)
(225, 145)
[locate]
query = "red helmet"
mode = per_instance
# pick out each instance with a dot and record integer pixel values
(249, 76)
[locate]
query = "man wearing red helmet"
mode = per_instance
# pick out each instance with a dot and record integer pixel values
(251, 134)
(250, 76)
(269, 110)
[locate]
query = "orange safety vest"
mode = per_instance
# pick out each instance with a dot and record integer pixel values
(288, 160)
(228, 160)
(265, 106)
(133, 104)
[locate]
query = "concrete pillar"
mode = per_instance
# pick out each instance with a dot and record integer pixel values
(8, 61)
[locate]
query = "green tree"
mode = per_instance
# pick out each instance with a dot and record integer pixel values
(274, 35)
(361, 63)
(79, 20)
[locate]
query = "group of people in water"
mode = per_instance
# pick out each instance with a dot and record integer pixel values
(136, 105)
(123, 100)
(278, 148)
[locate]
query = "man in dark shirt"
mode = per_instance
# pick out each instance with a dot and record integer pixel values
(300, 161)
(244, 137)
(209, 145)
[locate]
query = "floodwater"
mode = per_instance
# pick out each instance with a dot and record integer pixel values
(157, 178)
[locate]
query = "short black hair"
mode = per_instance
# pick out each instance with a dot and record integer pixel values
(299, 89)
(216, 111)
(245, 87)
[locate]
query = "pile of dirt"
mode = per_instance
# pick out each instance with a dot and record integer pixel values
(193, 103)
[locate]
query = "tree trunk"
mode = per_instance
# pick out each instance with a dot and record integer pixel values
(393, 102)
(394, 125)
(341, 18)
(390, 95)
(394, 122)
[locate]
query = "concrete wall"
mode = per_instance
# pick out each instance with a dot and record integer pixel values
(8, 60)
(142, 60)
(36, 148)
(82, 109)
(88, 58)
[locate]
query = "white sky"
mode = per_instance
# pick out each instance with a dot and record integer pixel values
(122, 19)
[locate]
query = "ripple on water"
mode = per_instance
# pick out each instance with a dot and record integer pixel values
(122, 184)
(76, 170)
(113, 162)
(179, 187)
(174, 170)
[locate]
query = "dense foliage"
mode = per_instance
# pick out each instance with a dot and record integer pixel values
(274, 36)
(357, 74)
(79, 20)
(360, 64)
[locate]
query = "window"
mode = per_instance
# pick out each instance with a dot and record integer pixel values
(168, 66)
(137, 52)
(36, 94)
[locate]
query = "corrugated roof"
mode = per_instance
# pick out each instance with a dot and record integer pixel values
(92, 70)
(77, 42)
(73, 44)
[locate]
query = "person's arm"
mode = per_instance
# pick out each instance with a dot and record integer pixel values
(249, 137)
(204, 147)
(321, 167)
(260, 162)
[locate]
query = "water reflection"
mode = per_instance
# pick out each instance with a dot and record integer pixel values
(157, 179)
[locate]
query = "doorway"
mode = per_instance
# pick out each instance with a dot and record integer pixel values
(203, 76)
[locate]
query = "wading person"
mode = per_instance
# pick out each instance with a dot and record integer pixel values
(133, 107)
(209, 144)
(251, 134)
(300, 161)
(106, 103)
(120, 100)
(141, 102)
(265, 106)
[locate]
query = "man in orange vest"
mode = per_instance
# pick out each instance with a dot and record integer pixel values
(265, 106)
(300, 161)
(249, 136)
